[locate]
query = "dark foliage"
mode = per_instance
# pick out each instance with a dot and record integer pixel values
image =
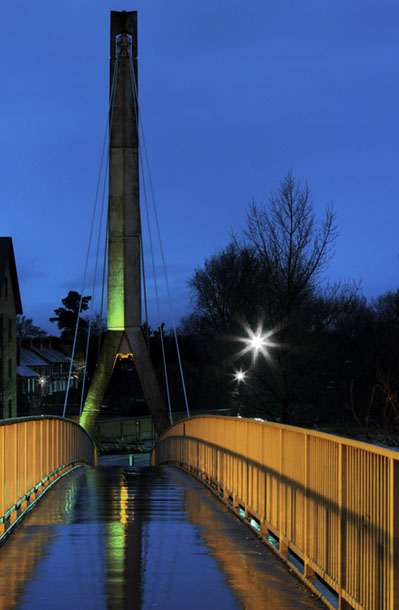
(273, 279)
(66, 319)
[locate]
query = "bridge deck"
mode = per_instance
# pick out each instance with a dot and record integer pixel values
(121, 537)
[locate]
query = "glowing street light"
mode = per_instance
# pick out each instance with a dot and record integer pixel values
(257, 342)
(240, 376)
(42, 382)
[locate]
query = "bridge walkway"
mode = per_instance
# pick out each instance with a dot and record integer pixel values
(117, 537)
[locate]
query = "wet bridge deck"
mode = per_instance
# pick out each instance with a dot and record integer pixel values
(117, 537)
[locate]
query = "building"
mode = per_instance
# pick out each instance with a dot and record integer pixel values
(10, 307)
(43, 372)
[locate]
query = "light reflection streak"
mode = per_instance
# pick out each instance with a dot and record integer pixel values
(245, 572)
(19, 565)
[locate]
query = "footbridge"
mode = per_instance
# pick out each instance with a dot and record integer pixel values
(122, 536)
(327, 506)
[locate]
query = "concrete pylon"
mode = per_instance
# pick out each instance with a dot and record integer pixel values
(124, 336)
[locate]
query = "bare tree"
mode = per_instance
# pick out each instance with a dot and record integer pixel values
(293, 246)
(272, 277)
(228, 287)
(295, 249)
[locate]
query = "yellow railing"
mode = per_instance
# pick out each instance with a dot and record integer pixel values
(328, 505)
(34, 452)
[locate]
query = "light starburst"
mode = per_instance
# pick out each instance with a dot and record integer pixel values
(240, 375)
(257, 342)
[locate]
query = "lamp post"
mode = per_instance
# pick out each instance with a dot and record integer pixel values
(239, 376)
(257, 343)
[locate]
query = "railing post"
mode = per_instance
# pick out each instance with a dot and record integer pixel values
(15, 457)
(343, 605)
(394, 534)
(281, 499)
(308, 571)
(2, 472)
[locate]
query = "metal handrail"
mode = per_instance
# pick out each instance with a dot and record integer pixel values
(34, 453)
(328, 505)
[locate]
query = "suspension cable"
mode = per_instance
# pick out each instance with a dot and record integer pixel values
(145, 293)
(136, 110)
(140, 123)
(102, 291)
(93, 290)
(110, 110)
(157, 296)
(113, 90)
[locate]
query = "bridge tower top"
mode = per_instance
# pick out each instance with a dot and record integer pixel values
(123, 22)
(124, 229)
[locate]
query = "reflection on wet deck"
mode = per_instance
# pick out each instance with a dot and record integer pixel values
(139, 537)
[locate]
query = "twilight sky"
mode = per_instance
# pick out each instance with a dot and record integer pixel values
(232, 95)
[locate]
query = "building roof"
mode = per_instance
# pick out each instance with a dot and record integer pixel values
(30, 358)
(25, 371)
(50, 354)
(7, 255)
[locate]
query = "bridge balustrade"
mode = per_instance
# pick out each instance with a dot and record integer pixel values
(329, 506)
(34, 452)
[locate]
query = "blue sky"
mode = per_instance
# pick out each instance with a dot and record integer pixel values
(232, 95)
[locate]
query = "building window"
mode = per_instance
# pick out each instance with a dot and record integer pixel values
(9, 328)
(9, 408)
(5, 288)
(9, 368)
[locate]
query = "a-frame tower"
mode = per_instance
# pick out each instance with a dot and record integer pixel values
(124, 336)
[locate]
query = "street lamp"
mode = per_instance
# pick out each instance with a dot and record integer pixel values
(256, 342)
(42, 383)
(240, 376)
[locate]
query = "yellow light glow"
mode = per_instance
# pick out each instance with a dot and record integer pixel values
(123, 503)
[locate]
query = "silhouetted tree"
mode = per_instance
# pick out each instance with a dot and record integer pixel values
(273, 277)
(66, 319)
(27, 330)
(228, 289)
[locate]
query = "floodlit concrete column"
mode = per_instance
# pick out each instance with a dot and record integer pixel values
(100, 381)
(124, 335)
(148, 380)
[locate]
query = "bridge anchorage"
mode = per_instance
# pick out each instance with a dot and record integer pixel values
(124, 338)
